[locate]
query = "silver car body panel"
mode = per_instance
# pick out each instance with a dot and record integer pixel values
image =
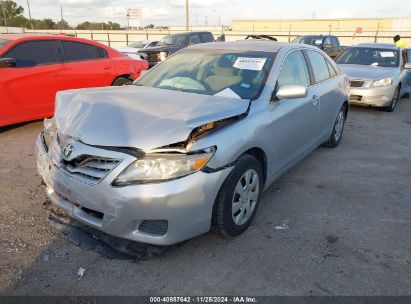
(285, 131)
(376, 96)
(93, 116)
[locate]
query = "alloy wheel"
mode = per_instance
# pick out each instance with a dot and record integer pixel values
(245, 197)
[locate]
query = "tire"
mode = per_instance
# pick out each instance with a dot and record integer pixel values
(233, 213)
(338, 129)
(394, 101)
(120, 81)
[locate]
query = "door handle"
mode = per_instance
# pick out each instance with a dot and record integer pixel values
(315, 100)
(108, 68)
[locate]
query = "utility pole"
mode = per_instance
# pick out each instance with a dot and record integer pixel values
(187, 17)
(4, 15)
(31, 23)
(62, 19)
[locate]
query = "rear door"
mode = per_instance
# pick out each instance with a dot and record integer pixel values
(327, 85)
(31, 86)
(295, 121)
(86, 65)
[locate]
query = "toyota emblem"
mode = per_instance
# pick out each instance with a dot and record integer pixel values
(68, 150)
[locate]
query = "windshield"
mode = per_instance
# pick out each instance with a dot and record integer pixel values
(235, 74)
(307, 39)
(138, 44)
(3, 43)
(173, 39)
(370, 56)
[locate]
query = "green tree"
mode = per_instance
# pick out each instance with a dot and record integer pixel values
(13, 12)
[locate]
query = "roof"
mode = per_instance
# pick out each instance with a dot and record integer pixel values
(378, 45)
(20, 36)
(249, 45)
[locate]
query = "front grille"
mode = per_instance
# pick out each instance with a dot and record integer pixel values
(155, 227)
(89, 169)
(355, 97)
(356, 83)
(152, 56)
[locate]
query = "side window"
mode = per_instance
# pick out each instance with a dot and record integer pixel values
(408, 55)
(336, 42)
(153, 43)
(327, 41)
(207, 37)
(319, 66)
(77, 51)
(294, 70)
(195, 39)
(32, 53)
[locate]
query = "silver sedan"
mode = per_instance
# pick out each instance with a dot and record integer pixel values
(379, 74)
(194, 142)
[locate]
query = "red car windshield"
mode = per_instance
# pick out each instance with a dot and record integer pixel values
(3, 43)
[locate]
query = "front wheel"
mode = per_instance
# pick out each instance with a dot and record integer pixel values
(338, 129)
(238, 198)
(120, 81)
(394, 101)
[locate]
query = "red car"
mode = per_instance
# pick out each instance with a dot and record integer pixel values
(33, 68)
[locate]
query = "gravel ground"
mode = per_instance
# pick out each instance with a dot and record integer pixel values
(346, 214)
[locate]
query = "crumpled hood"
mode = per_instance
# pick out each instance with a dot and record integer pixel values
(139, 117)
(365, 72)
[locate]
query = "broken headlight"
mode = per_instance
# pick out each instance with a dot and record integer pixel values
(49, 131)
(163, 167)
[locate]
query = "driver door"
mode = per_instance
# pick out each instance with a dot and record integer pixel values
(294, 126)
(31, 86)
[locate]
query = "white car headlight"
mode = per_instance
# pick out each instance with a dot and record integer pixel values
(163, 56)
(161, 167)
(382, 82)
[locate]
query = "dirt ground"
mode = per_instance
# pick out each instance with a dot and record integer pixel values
(346, 214)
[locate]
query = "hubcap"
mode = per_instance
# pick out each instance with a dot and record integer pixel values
(245, 197)
(339, 125)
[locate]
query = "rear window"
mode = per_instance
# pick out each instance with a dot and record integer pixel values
(3, 43)
(77, 51)
(32, 53)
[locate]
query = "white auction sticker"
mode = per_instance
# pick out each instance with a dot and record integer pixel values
(249, 63)
(387, 54)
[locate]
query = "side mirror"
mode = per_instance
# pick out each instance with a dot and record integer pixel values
(291, 92)
(7, 62)
(407, 66)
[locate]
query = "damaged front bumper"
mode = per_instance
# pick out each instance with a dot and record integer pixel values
(159, 213)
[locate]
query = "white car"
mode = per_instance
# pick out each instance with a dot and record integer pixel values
(135, 47)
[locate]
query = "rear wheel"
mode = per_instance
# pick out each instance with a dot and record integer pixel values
(238, 198)
(338, 129)
(394, 101)
(120, 81)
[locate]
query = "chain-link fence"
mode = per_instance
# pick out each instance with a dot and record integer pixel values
(125, 37)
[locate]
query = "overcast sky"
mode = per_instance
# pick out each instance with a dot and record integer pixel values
(171, 12)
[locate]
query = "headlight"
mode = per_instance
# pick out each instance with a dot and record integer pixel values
(162, 167)
(49, 131)
(382, 82)
(163, 55)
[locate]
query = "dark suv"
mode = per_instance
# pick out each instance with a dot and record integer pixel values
(328, 43)
(173, 43)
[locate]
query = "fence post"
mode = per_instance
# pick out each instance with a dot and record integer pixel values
(108, 38)
(91, 32)
(126, 37)
(146, 34)
(289, 33)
